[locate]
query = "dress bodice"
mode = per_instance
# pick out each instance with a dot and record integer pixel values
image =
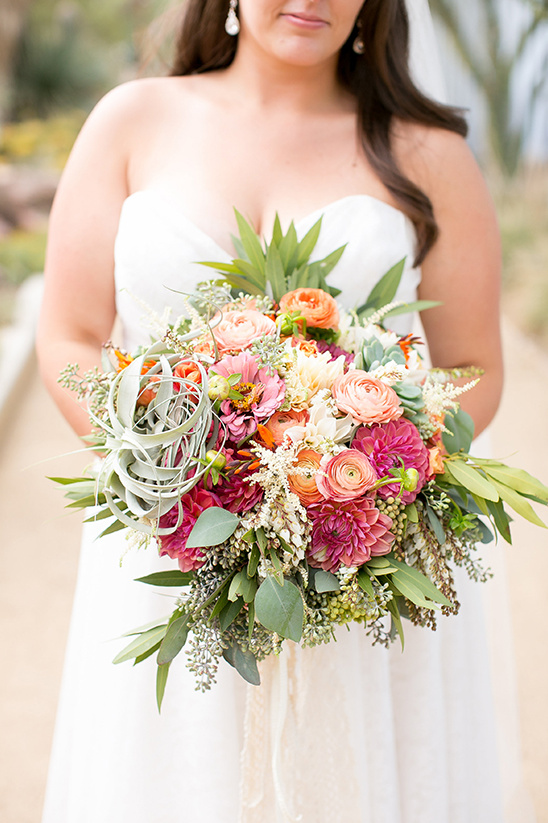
(158, 250)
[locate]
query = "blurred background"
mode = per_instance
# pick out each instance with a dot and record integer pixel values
(57, 57)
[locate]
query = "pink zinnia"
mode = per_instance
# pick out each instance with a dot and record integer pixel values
(262, 393)
(193, 504)
(386, 446)
(347, 534)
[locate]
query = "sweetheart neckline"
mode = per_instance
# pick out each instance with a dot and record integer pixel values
(166, 200)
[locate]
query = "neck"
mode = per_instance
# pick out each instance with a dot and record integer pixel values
(265, 82)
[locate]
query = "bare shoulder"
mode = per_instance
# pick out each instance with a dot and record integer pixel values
(441, 164)
(138, 101)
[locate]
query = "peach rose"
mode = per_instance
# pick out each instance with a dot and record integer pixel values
(304, 484)
(238, 329)
(365, 398)
(316, 306)
(280, 421)
(347, 475)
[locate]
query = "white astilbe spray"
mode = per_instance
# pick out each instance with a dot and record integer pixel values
(273, 477)
(441, 397)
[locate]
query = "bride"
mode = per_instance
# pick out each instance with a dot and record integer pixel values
(301, 107)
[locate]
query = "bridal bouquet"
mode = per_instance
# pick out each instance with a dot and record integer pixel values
(299, 464)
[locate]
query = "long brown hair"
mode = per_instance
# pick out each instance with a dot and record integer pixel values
(379, 79)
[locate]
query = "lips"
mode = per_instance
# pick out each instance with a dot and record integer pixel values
(301, 18)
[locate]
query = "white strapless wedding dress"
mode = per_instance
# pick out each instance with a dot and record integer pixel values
(345, 733)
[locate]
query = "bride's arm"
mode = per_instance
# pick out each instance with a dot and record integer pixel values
(78, 309)
(462, 270)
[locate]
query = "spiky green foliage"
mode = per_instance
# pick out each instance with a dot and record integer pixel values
(282, 265)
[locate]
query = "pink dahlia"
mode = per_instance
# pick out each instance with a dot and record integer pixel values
(193, 504)
(237, 495)
(262, 393)
(347, 534)
(335, 351)
(387, 445)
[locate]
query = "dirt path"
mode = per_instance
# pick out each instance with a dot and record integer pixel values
(38, 558)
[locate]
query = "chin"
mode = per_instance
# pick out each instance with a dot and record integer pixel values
(304, 55)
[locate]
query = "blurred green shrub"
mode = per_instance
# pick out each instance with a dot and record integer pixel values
(21, 254)
(42, 142)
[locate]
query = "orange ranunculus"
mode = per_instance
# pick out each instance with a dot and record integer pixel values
(317, 307)
(435, 461)
(347, 475)
(306, 346)
(282, 420)
(364, 397)
(189, 370)
(304, 484)
(148, 391)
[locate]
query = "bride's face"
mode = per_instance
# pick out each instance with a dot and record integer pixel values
(300, 32)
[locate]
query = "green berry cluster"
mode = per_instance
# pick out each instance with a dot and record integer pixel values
(395, 510)
(350, 604)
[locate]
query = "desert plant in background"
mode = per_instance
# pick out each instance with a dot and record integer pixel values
(494, 40)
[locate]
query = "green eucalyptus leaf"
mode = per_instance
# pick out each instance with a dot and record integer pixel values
(242, 585)
(487, 535)
(141, 644)
(153, 624)
(253, 562)
(412, 513)
(220, 603)
(250, 620)
(397, 626)
(325, 581)
(518, 503)
(409, 308)
(261, 539)
(161, 680)
(280, 609)
(500, 519)
(435, 524)
(469, 477)
(212, 527)
(172, 577)
(365, 582)
(146, 655)
(461, 426)
(174, 640)
(518, 479)
(408, 577)
(244, 662)
(230, 612)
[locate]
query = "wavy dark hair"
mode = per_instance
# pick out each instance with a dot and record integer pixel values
(379, 79)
